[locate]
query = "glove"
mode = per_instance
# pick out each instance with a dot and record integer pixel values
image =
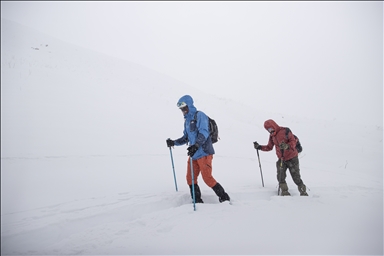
(256, 145)
(170, 143)
(192, 150)
(284, 146)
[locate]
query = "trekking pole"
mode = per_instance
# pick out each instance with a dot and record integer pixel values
(173, 167)
(261, 172)
(281, 170)
(193, 186)
(278, 188)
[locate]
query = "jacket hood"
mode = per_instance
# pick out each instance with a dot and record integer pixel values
(271, 124)
(189, 101)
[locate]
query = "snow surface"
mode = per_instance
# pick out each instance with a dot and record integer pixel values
(85, 168)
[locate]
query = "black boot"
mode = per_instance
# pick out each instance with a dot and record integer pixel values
(197, 194)
(219, 190)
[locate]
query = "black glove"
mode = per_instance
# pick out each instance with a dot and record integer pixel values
(192, 150)
(284, 146)
(170, 143)
(256, 145)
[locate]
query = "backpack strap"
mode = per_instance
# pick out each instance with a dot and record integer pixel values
(287, 130)
(209, 124)
(195, 116)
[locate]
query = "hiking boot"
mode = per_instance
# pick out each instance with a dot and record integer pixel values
(224, 198)
(303, 190)
(197, 194)
(199, 201)
(219, 190)
(284, 189)
(285, 193)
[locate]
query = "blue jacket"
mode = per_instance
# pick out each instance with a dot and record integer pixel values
(196, 132)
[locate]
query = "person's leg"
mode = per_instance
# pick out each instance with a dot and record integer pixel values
(281, 176)
(197, 193)
(294, 169)
(196, 172)
(205, 164)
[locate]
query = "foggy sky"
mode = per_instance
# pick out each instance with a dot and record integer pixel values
(320, 59)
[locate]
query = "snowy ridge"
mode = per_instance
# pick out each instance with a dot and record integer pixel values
(85, 168)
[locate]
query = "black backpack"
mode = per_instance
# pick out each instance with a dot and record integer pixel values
(299, 148)
(213, 129)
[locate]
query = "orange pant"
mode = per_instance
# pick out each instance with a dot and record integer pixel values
(203, 165)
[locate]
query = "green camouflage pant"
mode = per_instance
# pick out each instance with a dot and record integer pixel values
(294, 169)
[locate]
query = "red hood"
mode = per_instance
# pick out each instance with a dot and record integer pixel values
(271, 124)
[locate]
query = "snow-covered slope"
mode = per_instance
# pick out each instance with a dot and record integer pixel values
(85, 168)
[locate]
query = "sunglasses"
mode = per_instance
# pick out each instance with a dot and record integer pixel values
(181, 104)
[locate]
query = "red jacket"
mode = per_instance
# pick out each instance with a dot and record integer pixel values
(277, 137)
